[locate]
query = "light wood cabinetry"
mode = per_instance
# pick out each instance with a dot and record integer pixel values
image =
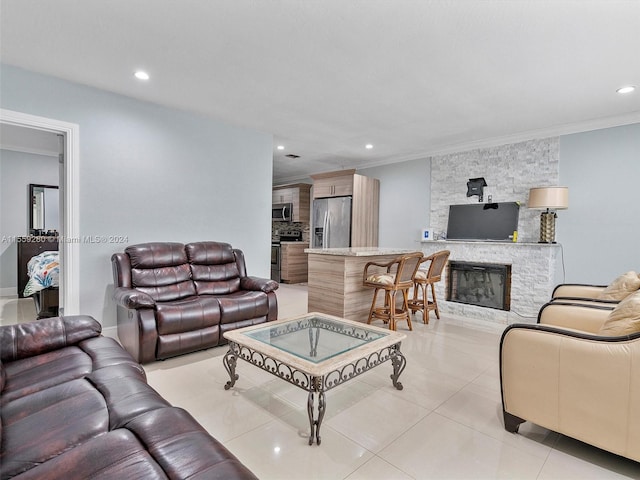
(365, 202)
(299, 195)
(333, 186)
(335, 280)
(293, 267)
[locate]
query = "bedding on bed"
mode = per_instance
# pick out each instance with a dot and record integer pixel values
(43, 271)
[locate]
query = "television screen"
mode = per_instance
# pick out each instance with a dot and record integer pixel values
(483, 221)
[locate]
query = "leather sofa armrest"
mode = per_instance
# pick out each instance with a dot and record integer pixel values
(572, 382)
(132, 298)
(258, 284)
(577, 290)
(34, 338)
(575, 315)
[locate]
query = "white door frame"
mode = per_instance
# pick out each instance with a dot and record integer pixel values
(69, 243)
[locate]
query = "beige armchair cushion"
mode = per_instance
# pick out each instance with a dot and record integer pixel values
(624, 319)
(621, 287)
(382, 278)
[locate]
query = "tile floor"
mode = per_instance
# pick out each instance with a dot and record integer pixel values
(445, 423)
(16, 310)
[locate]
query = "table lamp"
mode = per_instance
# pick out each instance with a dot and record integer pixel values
(551, 198)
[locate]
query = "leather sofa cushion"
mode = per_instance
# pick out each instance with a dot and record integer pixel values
(624, 319)
(621, 287)
(28, 339)
(209, 253)
(155, 255)
(39, 372)
(161, 444)
(213, 267)
(44, 424)
(188, 314)
(179, 343)
(117, 454)
(126, 394)
(161, 270)
(243, 305)
(33, 374)
(164, 283)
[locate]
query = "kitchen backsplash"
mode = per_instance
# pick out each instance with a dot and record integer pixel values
(290, 226)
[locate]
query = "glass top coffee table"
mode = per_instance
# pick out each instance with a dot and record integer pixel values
(315, 352)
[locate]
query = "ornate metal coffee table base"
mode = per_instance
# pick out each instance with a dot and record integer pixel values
(315, 385)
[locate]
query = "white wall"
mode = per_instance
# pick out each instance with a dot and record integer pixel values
(17, 171)
(151, 173)
(405, 198)
(599, 231)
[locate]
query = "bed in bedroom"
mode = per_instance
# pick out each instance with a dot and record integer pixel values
(39, 273)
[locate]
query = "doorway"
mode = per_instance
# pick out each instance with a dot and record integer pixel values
(69, 239)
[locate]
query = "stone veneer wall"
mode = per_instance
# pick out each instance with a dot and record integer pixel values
(534, 274)
(510, 171)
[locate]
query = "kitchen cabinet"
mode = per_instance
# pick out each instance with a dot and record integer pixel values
(298, 195)
(293, 266)
(365, 194)
(333, 186)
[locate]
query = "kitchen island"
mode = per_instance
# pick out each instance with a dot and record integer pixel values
(335, 279)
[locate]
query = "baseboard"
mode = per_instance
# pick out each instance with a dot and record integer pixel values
(8, 292)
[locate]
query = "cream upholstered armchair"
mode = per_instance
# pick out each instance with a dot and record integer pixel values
(623, 286)
(577, 372)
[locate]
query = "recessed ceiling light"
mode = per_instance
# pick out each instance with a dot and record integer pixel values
(141, 75)
(368, 146)
(280, 147)
(626, 89)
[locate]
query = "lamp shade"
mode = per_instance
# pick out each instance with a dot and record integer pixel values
(555, 198)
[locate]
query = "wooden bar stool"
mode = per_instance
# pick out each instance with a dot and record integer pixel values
(397, 277)
(424, 277)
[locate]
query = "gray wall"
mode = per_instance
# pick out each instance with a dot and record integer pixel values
(404, 201)
(17, 171)
(599, 231)
(150, 173)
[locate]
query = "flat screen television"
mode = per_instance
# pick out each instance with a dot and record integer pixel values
(483, 221)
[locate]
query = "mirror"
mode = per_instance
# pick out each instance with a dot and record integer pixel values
(44, 211)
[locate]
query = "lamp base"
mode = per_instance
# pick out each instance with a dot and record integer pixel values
(547, 227)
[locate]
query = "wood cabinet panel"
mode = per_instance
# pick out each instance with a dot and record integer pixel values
(333, 186)
(299, 195)
(365, 194)
(293, 266)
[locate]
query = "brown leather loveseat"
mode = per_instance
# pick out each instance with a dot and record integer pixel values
(74, 405)
(174, 298)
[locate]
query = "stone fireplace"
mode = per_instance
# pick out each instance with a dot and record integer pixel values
(482, 284)
(535, 271)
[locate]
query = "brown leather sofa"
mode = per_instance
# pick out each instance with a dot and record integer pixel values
(174, 298)
(74, 405)
(576, 372)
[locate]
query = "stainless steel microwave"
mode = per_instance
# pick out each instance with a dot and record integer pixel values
(281, 212)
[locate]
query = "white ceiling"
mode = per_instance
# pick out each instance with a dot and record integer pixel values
(411, 77)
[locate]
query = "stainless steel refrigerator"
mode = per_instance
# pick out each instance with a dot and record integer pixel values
(331, 227)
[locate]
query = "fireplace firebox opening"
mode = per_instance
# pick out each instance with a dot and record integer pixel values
(482, 284)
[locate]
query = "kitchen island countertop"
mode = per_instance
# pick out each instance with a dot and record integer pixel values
(359, 251)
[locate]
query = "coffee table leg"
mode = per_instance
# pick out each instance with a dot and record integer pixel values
(230, 360)
(399, 362)
(314, 423)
